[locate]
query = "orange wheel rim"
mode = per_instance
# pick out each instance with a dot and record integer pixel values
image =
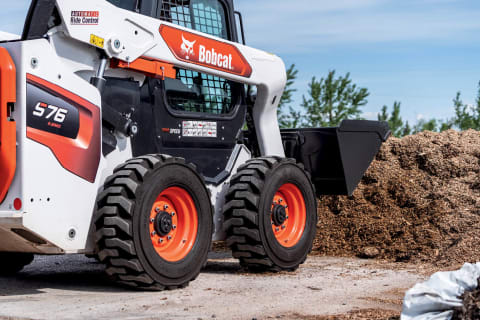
(173, 224)
(288, 215)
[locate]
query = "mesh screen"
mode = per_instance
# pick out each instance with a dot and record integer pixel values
(213, 94)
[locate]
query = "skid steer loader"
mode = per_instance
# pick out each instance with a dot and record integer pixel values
(121, 136)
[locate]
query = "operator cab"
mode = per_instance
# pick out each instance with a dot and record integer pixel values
(192, 100)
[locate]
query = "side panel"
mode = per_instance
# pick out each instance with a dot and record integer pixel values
(8, 141)
(67, 124)
(57, 178)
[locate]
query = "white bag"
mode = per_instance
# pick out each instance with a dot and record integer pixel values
(436, 298)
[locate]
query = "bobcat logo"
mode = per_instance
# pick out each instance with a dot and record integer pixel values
(187, 48)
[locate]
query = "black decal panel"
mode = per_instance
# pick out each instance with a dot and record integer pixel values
(49, 113)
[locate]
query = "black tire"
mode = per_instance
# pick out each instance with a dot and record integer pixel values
(123, 218)
(13, 262)
(248, 214)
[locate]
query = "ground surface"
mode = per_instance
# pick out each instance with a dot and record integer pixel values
(73, 287)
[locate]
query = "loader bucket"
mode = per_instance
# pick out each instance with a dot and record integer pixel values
(337, 158)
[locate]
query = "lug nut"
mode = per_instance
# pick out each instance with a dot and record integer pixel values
(152, 220)
(174, 227)
(173, 213)
(169, 238)
(160, 240)
(277, 229)
(165, 207)
(286, 217)
(157, 209)
(154, 233)
(283, 227)
(280, 200)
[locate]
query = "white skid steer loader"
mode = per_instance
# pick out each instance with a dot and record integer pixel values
(121, 137)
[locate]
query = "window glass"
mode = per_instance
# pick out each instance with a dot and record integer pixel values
(124, 4)
(193, 91)
(206, 16)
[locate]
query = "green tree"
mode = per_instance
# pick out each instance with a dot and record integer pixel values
(466, 116)
(425, 125)
(394, 120)
(407, 130)
(432, 125)
(290, 118)
(331, 100)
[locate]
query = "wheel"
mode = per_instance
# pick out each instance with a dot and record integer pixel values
(154, 223)
(271, 214)
(13, 262)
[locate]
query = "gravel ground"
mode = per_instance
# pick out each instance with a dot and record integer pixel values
(74, 287)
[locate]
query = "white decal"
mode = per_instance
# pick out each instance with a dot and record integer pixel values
(57, 113)
(187, 48)
(85, 18)
(214, 58)
(202, 129)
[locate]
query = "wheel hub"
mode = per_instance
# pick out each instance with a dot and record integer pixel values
(163, 223)
(279, 215)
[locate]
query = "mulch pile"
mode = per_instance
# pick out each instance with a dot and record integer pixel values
(368, 314)
(471, 306)
(419, 201)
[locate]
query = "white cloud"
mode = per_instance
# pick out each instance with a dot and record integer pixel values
(370, 115)
(420, 117)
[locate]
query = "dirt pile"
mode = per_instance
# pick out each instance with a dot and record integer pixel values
(419, 201)
(471, 306)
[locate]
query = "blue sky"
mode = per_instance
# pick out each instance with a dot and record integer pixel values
(419, 52)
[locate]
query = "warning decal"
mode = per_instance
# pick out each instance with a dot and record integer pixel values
(203, 129)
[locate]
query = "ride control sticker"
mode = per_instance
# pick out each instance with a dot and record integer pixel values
(204, 129)
(210, 53)
(85, 18)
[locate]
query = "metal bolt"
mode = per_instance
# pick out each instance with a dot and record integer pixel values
(72, 233)
(280, 200)
(277, 229)
(152, 220)
(286, 217)
(173, 213)
(154, 233)
(157, 209)
(283, 227)
(169, 237)
(174, 227)
(165, 207)
(116, 44)
(34, 62)
(286, 207)
(273, 223)
(160, 240)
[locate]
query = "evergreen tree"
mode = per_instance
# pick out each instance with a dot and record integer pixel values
(331, 100)
(466, 116)
(395, 121)
(292, 118)
(407, 130)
